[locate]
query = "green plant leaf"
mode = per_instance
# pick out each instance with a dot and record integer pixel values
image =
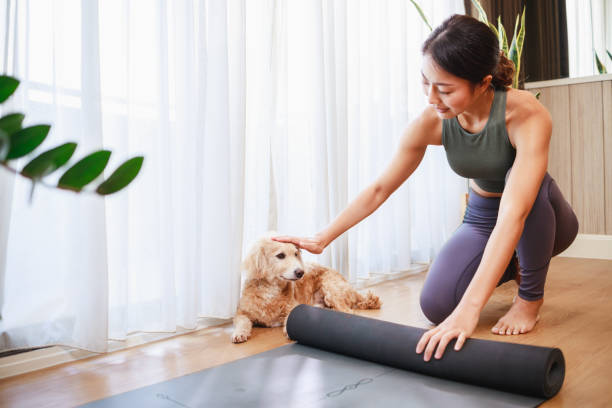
(11, 123)
(49, 161)
(600, 66)
(420, 11)
(482, 15)
(512, 53)
(5, 145)
(516, 47)
(8, 85)
(503, 39)
(609, 55)
(26, 140)
(121, 177)
(492, 27)
(537, 95)
(519, 49)
(84, 171)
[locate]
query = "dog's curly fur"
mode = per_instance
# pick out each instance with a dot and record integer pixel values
(278, 280)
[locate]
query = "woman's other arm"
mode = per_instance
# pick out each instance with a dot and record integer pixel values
(531, 137)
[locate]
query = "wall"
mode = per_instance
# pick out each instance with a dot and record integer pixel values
(580, 158)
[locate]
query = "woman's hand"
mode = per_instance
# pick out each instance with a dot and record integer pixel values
(315, 244)
(460, 324)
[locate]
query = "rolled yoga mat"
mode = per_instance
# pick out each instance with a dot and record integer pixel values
(515, 368)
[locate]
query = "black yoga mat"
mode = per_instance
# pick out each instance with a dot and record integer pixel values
(514, 368)
(330, 369)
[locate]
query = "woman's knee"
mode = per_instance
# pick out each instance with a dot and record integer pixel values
(435, 307)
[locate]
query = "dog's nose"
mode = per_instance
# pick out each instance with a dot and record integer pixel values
(298, 273)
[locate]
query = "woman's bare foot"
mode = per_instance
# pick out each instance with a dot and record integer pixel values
(521, 318)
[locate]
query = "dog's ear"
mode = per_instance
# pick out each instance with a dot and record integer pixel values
(255, 262)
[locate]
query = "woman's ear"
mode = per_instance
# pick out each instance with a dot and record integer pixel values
(255, 262)
(486, 82)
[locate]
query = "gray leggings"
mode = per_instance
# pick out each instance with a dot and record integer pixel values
(549, 229)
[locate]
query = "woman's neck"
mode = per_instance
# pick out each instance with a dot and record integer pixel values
(479, 110)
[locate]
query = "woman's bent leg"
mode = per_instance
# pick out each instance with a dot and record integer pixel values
(451, 272)
(549, 229)
(453, 269)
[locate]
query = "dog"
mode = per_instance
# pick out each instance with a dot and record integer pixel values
(277, 280)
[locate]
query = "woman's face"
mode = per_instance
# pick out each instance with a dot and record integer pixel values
(448, 94)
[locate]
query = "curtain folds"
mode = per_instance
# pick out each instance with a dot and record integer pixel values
(252, 116)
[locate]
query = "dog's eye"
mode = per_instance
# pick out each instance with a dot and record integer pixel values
(281, 256)
(297, 254)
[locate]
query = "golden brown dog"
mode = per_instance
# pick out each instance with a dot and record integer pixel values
(278, 280)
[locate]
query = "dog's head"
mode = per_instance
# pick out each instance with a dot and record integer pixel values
(270, 260)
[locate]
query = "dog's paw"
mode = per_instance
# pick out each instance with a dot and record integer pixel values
(239, 337)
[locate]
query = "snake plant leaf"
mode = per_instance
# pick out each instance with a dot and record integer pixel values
(492, 27)
(521, 35)
(482, 15)
(609, 55)
(84, 171)
(516, 47)
(8, 85)
(5, 145)
(512, 52)
(600, 66)
(26, 140)
(503, 39)
(49, 161)
(11, 123)
(420, 11)
(121, 177)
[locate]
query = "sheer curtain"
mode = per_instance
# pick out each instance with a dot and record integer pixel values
(344, 80)
(251, 115)
(589, 30)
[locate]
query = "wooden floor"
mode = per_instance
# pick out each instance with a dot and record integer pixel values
(576, 316)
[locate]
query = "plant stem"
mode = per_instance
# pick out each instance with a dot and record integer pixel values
(41, 182)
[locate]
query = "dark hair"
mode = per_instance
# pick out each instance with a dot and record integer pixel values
(469, 49)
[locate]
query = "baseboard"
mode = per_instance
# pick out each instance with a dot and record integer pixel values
(376, 278)
(590, 246)
(39, 359)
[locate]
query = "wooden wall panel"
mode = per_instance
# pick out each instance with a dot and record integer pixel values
(607, 118)
(555, 99)
(587, 144)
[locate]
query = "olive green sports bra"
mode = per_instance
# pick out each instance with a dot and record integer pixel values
(485, 156)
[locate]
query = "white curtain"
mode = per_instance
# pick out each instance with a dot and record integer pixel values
(340, 82)
(251, 115)
(589, 30)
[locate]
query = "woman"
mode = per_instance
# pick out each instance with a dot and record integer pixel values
(498, 137)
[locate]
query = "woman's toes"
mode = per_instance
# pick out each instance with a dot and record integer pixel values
(508, 331)
(515, 331)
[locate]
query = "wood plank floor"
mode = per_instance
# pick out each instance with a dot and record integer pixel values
(576, 316)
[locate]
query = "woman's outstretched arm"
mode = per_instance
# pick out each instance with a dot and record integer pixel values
(424, 130)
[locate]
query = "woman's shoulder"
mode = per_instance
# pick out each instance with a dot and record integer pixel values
(426, 128)
(524, 111)
(522, 105)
